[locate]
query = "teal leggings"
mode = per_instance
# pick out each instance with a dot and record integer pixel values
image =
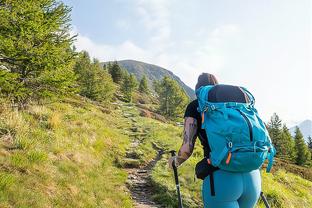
(232, 190)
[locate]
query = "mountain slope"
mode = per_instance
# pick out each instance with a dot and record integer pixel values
(305, 128)
(73, 153)
(62, 154)
(152, 73)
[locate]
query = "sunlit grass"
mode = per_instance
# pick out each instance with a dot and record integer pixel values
(71, 154)
(282, 189)
(62, 155)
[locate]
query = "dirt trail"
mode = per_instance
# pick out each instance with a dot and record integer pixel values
(140, 184)
(139, 177)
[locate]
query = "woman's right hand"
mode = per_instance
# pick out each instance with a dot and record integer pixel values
(171, 161)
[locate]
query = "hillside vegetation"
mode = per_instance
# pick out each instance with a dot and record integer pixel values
(75, 133)
(62, 155)
(282, 188)
(72, 154)
(153, 73)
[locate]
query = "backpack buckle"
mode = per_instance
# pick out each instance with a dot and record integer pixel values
(231, 104)
(212, 107)
(230, 145)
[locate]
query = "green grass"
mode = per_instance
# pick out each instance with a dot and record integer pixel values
(62, 155)
(71, 154)
(283, 189)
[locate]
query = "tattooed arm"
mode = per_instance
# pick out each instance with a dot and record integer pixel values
(189, 139)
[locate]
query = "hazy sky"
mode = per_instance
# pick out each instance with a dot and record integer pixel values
(264, 45)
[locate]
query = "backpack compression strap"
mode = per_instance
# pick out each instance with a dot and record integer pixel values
(271, 154)
(251, 97)
(271, 151)
(202, 96)
(206, 105)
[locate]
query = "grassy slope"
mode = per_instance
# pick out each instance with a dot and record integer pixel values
(62, 155)
(66, 155)
(283, 189)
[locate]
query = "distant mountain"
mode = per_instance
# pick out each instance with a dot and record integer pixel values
(305, 127)
(152, 73)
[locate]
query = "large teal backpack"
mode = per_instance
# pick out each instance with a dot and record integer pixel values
(238, 138)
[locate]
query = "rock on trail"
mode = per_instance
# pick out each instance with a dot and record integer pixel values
(139, 177)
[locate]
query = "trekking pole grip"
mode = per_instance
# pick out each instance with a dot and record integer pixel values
(173, 154)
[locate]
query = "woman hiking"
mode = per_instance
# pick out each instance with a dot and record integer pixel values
(221, 188)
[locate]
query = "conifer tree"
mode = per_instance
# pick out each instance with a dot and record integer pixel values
(171, 96)
(116, 72)
(287, 144)
(143, 87)
(128, 86)
(94, 82)
(104, 87)
(275, 131)
(35, 52)
(310, 145)
(302, 152)
(109, 67)
(310, 142)
(85, 75)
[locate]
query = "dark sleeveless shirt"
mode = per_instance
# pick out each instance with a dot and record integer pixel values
(191, 111)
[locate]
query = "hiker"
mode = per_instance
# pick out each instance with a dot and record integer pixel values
(221, 188)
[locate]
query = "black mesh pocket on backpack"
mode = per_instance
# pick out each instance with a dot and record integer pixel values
(203, 169)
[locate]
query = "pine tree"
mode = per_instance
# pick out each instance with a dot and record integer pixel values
(94, 82)
(128, 86)
(143, 87)
(310, 142)
(109, 67)
(104, 88)
(35, 52)
(133, 82)
(116, 72)
(85, 77)
(171, 96)
(302, 152)
(287, 144)
(275, 131)
(310, 145)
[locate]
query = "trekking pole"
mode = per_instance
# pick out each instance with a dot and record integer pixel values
(265, 201)
(173, 153)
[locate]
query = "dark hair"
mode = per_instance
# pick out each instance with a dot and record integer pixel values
(206, 79)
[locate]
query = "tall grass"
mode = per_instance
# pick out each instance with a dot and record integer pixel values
(62, 155)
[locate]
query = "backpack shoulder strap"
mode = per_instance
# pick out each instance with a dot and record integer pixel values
(250, 96)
